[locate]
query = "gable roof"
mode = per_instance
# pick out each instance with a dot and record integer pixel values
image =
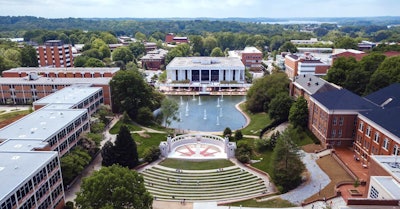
(342, 99)
(386, 118)
(313, 84)
(387, 97)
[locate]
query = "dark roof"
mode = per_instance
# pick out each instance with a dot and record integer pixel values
(343, 99)
(386, 118)
(293, 56)
(313, 84)
(388, 97)
(311, 61)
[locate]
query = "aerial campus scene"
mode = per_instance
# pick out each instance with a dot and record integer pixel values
(200, 104)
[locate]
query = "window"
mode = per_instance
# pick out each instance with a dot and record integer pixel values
(368, 132)
(333, 133)
(340, 133)
(385, 144)
(376, 137)
(341, 121)
(374, 193)
(361, 127)
(334, 121)
(396, 150)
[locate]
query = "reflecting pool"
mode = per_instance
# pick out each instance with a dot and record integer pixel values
(208, 113)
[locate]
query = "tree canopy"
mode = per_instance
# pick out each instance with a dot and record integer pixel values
(130, 92)
(298, 114)
(264, 89)
(114, 187)
(169, 109)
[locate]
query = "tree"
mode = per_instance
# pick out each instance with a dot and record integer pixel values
(346, 43)
(264, 89)
(130, 92)
(125, 149)
(172, 54)
(227, 132)
(114, 187)
(73, 163)
(137, 49)
(287, 165)
(209, 44)
(152, 154)
(298, 114)
(197, 44)
(169, 109)
(93, 62)
(145, 116)
(238, 135)
(288, 47)
(278, 108)
(217, 52)
(108, 154)
(140, 36)
(80, 61)
(28, 57)
(122, 53)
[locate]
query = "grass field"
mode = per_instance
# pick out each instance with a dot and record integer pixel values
(258, 121)
(131, 127)
(335, 172)
(196, 165)
(274, 203)
(147, 140)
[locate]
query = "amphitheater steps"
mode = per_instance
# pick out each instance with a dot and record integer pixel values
(202, 185)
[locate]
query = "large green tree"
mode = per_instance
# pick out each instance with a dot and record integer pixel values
(130, 92)
(217, 52)
(114, 187)
(264, 89)
(298, 114)
(28, 57)
(287, 165)
(169, 109)
(122, 54)
(125, 149)
(278, 108)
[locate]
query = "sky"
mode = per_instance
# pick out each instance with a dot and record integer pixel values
(199, 8)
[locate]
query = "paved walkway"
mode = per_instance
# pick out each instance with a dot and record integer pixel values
(318, 180)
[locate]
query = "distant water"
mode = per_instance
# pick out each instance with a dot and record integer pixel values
(298, 22)
(205, 115)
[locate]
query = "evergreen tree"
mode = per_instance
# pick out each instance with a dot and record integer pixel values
(287, 165)
(125, 149)
(108, 154)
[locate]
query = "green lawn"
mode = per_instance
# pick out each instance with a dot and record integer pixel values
(258, 121)
(10, 115)
(274, 203)
(131, 127)
(144, 142)
(196, 165)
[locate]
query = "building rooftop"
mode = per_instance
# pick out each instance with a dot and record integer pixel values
(58, 106)
(69, 69)
(205, 63)
(155, 54)
(16, 167)
(390, 163)
(313, 84)
(342, 99)
(22, 145)
(251, 49)
(40, 125)
(390, 185)
(353, 51)
(386, 118)
(387, 97)
(55, 81)
(69, 95)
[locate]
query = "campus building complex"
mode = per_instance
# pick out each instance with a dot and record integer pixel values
(154, 59)
(307, 64)
(171, 38)
(55, 53)
(251, 57)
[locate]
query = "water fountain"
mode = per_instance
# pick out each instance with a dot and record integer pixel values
(180, 117)
(193, 114)
(222, 97)
(218, 102)
(194, 97)
(187, 109)
(217, 121)
(199, 100)
(181, 101)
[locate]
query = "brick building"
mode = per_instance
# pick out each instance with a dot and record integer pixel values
(55, 53)
(79, 72)
(153, 60)
(171, 38)
(333, 116)
(304, 64)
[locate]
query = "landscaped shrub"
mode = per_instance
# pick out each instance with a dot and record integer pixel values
(152, 154)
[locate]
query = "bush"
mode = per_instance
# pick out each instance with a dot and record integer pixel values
(227, 132)
(243, 152)
(69, 205)
(238, 135)
(145, 116)
(152, 154)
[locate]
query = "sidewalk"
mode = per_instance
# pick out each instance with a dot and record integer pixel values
(70, 193)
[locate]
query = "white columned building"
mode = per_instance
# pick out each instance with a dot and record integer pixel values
(206, 70)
